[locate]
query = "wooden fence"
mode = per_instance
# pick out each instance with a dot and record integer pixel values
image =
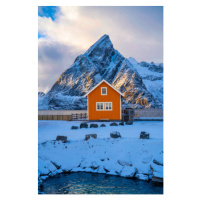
(55, 117)
(75, 116)
(82, 114)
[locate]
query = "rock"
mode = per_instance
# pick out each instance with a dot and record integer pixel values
(64, 171)
(115, 134)
(113, 124)
(144, 135)
(157, 163)
(87, 137)
(157, 171)
(124, 163)
(62, 138)
(74, 127)
(102, 125)
(129, 123)
(83, 125)
(121, 123)
(94, 168)
(93, 135)
(106, 170)
(93, 125)
(57, 166)
(144, 177)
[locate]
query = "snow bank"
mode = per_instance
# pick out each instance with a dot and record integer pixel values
(127, 156)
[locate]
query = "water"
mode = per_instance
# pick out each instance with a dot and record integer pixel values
(90, 183)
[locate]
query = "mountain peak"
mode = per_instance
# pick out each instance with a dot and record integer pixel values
(104, 36)
(104, 41)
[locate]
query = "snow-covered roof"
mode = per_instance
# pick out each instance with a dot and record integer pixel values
(106, 83)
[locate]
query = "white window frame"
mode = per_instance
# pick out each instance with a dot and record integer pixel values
(108, 106)
(101, 90)
(97, 106)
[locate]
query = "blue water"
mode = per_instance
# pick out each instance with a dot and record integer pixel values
(90, 183)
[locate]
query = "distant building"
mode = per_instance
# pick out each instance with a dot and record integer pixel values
(104, 102)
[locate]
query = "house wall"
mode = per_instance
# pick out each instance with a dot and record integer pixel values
(112, 96)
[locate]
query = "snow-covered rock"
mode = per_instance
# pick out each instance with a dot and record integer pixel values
(102, 61)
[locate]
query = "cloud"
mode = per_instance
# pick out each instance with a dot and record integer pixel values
(53, 59)
(135, 32)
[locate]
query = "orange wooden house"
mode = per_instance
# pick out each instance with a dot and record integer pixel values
(104, 102)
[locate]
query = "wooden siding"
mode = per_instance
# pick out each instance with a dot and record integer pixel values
(112, 96)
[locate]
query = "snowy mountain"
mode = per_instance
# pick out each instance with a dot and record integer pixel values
(152, 77)
(41, 94)
(102, 61)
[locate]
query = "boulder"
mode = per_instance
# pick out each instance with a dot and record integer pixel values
(93, 135)
(102, 125)
(114, 124)
(87, 137)
(144, 135)
(157, 163)
(129, 123)
(121, 123)
(62, 138)
(74, 127)
(93, 125)
(83, 125)
(115, 134)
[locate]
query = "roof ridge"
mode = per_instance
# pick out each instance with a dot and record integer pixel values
(103, 80)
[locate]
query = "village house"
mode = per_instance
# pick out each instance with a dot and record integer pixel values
(104, 102)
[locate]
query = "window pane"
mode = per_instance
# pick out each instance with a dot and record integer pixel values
(103, 90)
(106, 106)
(110, 106)
(101, 106)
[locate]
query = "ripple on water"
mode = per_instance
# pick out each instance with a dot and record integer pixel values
(90, 183)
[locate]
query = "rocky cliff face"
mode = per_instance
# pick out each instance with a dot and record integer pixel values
(41, 94)
(101, 61)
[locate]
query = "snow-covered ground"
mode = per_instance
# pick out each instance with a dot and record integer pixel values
(127, 156)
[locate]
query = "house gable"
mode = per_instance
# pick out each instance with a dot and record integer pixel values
(103, 81)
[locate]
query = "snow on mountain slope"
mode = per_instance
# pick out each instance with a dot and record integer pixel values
(152, 76)
(100, 61)
(41, 94)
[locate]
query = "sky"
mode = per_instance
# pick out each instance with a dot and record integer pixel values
(66, 32)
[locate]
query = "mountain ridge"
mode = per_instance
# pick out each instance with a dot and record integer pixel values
(102, 61)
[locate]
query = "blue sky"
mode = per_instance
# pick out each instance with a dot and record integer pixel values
(66, 32)
(48, 11)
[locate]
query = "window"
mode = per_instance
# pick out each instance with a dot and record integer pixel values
(100, 106)
(108, 105)
(104, 91)
(104, 106)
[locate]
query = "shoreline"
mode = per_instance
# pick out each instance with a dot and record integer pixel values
(56, 175)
